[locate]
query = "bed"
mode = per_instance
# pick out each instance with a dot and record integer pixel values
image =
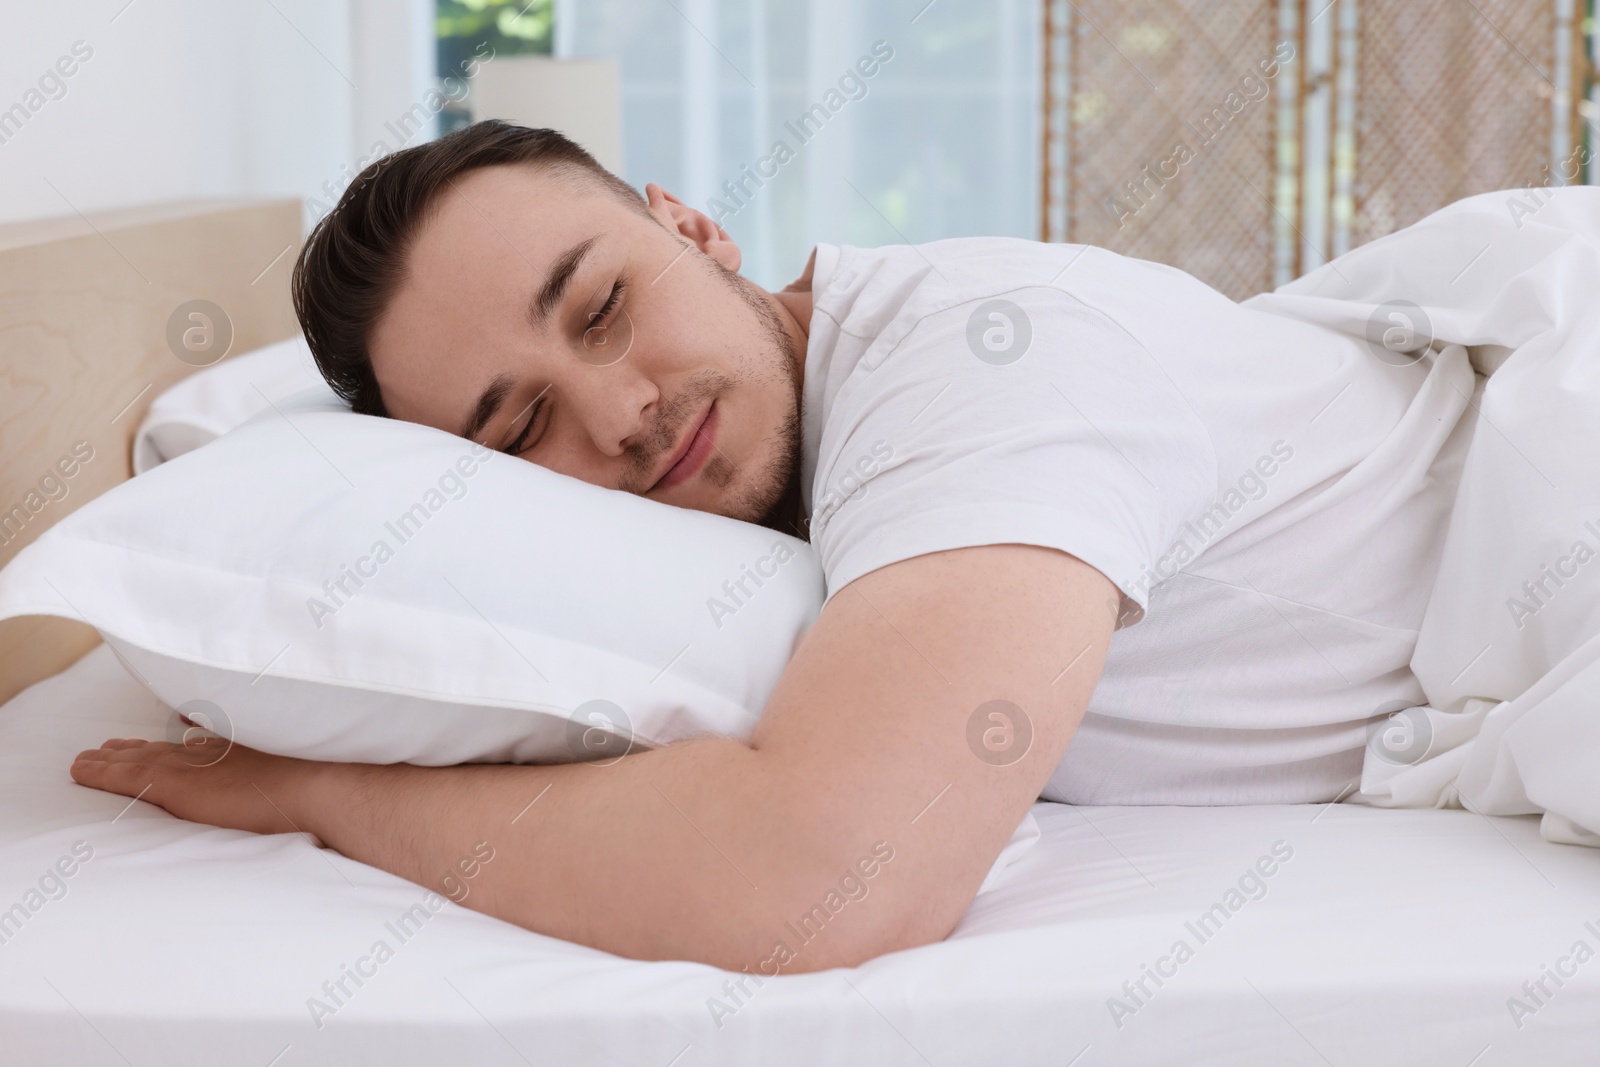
(1331, 934)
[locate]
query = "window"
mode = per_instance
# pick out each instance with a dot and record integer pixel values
(471, 30)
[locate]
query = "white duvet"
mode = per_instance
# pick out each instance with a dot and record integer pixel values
(1507, 287)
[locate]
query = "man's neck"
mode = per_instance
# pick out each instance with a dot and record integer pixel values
(794, 311)
(794, 307)
(787, 516)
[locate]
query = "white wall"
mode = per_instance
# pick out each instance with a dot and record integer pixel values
(188, 98)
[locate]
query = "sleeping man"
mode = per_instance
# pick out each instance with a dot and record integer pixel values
(1092, 532)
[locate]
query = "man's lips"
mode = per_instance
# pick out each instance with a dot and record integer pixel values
(692, 453)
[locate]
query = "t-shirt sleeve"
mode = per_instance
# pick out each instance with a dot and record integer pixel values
(1029, 418)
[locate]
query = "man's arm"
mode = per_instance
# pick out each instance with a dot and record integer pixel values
(712, 849)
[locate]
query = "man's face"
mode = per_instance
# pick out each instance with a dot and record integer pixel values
(542, 317)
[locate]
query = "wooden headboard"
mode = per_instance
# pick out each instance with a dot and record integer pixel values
(84, 309)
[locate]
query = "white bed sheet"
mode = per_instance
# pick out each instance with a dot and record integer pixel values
(1389, 937)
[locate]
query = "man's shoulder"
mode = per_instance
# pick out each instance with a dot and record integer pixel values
(874, 285)
(955, 264)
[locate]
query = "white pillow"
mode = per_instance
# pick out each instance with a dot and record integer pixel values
(342, 587)
(210, 402)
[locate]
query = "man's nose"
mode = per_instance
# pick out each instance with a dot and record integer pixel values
(613, 404)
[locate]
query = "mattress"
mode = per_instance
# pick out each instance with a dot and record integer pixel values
(1312, 935)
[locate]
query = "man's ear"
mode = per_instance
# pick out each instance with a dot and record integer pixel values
(684, 220)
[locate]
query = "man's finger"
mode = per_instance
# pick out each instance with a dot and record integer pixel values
(128, 778)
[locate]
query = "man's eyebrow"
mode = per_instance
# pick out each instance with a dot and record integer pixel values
(488, 404)
(556, 284)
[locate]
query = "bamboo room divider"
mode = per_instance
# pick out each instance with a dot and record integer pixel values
(1248, 141)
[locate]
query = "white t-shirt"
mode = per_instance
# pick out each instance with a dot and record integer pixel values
(1268, 495)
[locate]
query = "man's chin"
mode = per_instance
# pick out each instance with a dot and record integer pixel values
(738, 501)
(775, 506)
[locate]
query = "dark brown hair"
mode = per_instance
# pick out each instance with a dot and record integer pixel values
(355, 256)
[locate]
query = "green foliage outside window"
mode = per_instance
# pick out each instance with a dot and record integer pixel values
(470, 30)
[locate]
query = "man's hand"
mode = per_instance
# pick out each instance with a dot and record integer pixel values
(919, 719)
(203, 780)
